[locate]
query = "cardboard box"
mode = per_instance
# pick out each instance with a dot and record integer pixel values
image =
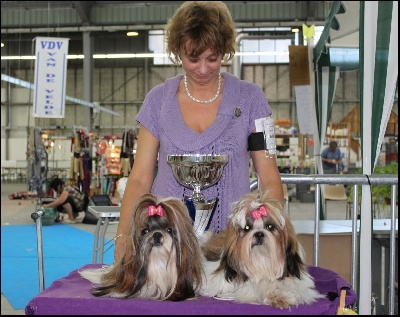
(334, 252)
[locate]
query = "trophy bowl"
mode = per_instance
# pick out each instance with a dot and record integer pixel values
(197, 172)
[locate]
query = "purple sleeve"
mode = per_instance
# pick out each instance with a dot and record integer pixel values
(149, 113)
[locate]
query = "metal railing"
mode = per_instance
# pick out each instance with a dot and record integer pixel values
(364, 304)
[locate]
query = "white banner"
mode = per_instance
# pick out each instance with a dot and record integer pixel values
(304, 106)
(50, 77)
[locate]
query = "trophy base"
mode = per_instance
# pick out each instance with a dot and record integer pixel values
(201, 213)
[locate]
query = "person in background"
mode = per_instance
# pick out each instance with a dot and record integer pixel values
(70, 200)
(202, 111)
(331, 158)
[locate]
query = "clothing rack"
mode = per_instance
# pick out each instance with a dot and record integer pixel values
(129, 138)
(81, 161)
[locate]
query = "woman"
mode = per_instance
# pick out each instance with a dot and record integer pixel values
(203, 111)
(70, 200)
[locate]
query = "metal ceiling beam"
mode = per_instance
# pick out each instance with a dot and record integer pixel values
(85, 103)
(83, 9)
(113, 28)
(58, 15)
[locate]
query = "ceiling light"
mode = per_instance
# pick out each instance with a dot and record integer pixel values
(132, 33)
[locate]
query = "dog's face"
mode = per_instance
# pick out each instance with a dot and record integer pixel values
(155, 243)
(162, 255)
(260, 242)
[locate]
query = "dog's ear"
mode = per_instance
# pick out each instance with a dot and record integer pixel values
(294, 263)
(230, 258)
(231, 274)
(187, 250)
(294, 252)
(238, 213)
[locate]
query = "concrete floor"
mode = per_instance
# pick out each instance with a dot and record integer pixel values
(19, 211)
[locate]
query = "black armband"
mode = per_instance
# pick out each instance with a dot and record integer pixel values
(256, 141)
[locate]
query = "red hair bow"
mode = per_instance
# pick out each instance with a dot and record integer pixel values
(259, 212)
(153, 210)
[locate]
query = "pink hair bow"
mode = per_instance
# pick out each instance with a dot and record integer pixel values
(259, 212)
(153, 210)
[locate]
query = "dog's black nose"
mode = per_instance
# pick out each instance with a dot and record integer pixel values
(259, 237)
(157, 238)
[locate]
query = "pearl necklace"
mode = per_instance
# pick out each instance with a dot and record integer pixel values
(202, 101)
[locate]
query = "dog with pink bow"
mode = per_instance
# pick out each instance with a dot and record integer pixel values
(162, 255)
(258, 258)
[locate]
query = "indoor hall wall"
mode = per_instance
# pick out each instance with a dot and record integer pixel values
(346, 95)
(275, 82)
(123, 89)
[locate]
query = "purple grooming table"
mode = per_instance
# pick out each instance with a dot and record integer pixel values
(71, 296)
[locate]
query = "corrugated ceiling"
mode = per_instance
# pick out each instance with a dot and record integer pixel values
(30, 16)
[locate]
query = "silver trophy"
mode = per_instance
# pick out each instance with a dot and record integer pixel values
(197, 172)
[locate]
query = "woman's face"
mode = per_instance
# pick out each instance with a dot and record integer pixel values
(202, 69)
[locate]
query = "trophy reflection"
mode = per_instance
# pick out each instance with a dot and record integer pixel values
(197, 172)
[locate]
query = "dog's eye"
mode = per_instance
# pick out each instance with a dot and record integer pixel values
(169, 230)
(246, 228)
(270, 227)
(145, 231)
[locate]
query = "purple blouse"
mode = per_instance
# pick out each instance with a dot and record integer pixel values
(160, 114)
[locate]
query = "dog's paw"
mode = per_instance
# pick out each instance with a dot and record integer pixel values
(280, 298)
(280, 301)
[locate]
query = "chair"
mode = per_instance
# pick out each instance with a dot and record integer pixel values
(333, 193)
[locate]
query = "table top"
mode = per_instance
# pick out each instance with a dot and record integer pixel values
(71, 296)
(105, 211)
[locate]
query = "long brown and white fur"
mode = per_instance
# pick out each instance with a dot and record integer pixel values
(161, 260)
(257, 260)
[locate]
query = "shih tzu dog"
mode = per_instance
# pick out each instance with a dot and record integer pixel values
(161, 259)
(258, 258)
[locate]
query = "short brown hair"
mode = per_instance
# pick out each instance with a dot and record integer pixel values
(206, 25)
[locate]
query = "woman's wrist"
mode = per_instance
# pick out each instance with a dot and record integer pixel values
(120, 235)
